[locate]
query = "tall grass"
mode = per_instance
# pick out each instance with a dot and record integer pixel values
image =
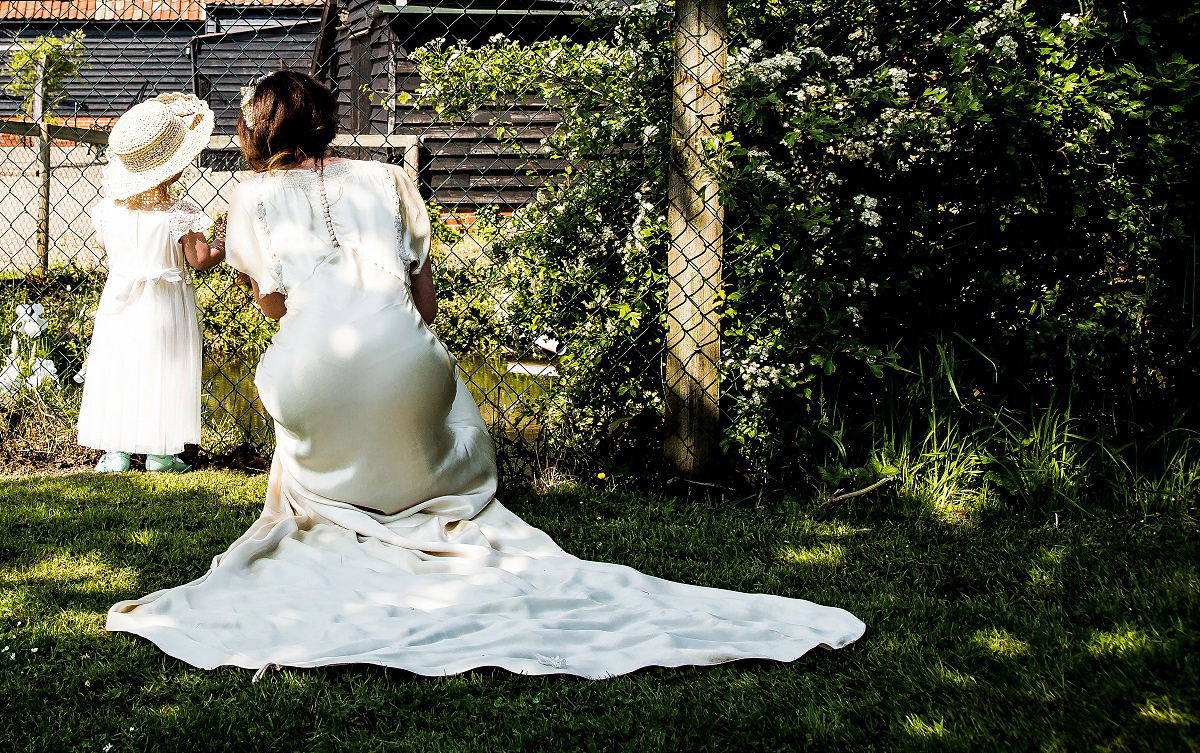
(956, 452)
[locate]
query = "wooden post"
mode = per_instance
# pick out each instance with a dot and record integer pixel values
(43, 144)
(696, 222)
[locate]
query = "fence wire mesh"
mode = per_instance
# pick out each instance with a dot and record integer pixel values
(558, 321)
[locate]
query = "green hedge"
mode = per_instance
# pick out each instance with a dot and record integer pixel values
(965, 216)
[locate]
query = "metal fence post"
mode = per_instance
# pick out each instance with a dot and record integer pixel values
(696, 222)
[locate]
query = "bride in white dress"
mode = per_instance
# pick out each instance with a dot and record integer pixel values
(381, 540)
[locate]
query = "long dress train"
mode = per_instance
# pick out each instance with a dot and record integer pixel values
(381, 540)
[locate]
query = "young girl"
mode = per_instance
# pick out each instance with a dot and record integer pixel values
(142, 388)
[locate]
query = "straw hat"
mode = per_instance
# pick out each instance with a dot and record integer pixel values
(155, 140)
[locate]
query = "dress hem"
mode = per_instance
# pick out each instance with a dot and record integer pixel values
(138, 448)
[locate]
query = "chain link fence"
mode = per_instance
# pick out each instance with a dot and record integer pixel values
(557, 318)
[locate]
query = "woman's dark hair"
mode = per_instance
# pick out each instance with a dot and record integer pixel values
(295, 118)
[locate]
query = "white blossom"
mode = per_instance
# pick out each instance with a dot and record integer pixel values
(43, 370)
(1006, 47)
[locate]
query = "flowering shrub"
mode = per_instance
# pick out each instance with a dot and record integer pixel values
(989, 191)
(903, 176)
(581, 267)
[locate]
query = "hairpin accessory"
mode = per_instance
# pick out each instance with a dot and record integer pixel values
(248, 100)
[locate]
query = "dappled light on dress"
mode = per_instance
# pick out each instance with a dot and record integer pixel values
(381, 540)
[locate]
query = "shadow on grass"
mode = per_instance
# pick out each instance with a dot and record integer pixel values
(986, 636)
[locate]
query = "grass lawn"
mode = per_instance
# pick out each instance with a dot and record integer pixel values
(1002, 634)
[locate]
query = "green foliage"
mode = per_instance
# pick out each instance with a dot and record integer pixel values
(582, 264)
(231, 325)
(69, 295)
(64, 56)
(991, 195)
(39, 401)
(1004, 176)
(41, 422)
(962, 458)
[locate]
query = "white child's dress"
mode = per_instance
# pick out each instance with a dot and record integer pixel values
(142, 387)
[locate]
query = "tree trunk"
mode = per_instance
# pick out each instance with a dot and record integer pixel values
(43, 144)
(696, 222)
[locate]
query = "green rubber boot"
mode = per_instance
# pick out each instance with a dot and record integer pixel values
(113, 462)
(166, 464)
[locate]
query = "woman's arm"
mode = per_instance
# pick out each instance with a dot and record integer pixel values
(274, 305)
(423, 295)
(417, 236)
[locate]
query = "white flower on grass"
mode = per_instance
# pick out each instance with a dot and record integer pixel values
(10, 375)
(1071, 19)
(29, 320)
(43, 370)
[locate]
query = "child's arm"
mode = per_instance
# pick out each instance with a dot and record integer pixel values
(201, 254)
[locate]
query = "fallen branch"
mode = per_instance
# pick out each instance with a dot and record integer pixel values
(711, 485)
(839, 497)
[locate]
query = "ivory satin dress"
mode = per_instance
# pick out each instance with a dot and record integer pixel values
(381, 540)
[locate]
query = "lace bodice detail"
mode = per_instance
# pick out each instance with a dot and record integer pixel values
(278, 232)
(183, 217)
(309, 181)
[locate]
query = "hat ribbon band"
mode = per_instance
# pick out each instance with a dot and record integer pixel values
(156, 152)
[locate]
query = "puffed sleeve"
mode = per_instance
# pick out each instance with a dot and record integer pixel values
(99, 215)
(413, 228)
(187, 217)
(247, 243)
